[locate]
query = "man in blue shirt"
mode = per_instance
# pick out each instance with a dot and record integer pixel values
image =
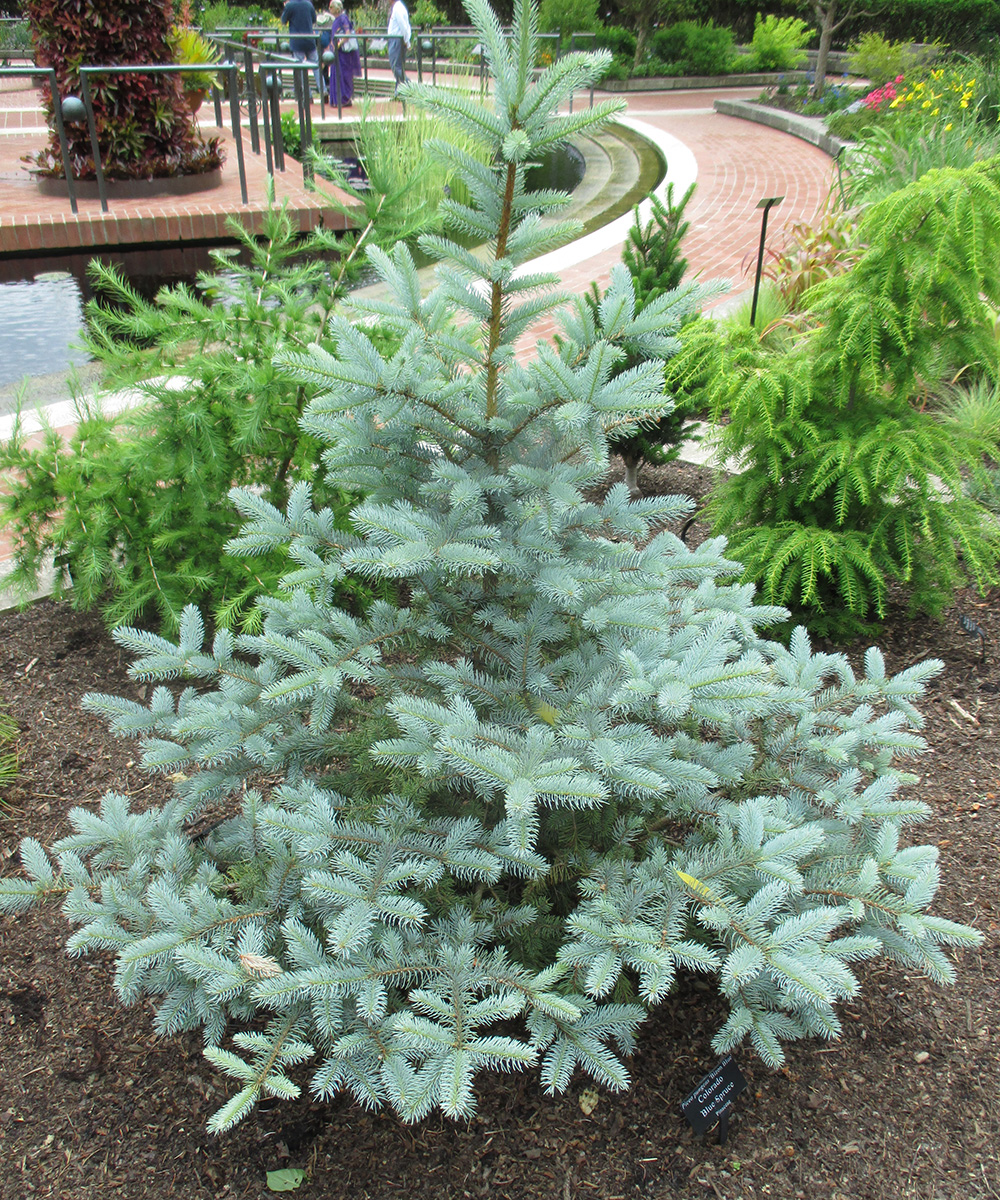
(300, 17)
(398, 35)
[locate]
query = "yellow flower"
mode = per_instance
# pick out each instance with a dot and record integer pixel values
(926, 104)
(947, 127)
(964, 104)
(935, 112)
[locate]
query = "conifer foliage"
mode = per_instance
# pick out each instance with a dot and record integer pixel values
(135, 508)
(653, 256)
(603, 772)
(850, 481)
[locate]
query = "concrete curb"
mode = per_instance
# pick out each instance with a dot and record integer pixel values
(692, 83)
(809, 129)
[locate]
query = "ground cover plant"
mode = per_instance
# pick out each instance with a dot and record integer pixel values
(598, 772)
(8, 751)
(850, 481)
(135, 509)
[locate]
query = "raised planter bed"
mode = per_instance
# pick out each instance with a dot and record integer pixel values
(836, 65)
(134, 189)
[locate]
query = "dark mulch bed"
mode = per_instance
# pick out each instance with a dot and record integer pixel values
(907, 1104)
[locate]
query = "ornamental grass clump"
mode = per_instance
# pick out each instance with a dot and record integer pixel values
(596, 771)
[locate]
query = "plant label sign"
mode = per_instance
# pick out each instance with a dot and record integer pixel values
(713, 1098)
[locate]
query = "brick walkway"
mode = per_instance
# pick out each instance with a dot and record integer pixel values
(738, 163)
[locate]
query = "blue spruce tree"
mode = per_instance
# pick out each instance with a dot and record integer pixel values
(584, 767)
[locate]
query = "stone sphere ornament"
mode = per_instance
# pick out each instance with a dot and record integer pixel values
(73, 110)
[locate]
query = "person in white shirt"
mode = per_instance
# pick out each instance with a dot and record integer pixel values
(399, 42)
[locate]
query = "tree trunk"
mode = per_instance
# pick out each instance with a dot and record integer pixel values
(826, 16)
(641, 37)
(632, 473)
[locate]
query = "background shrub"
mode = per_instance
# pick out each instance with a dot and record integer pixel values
(220, 14)
(778, 43)
(694, 48)
(617, 39)
(849, 481)
(427, 15)
(567, 17)
(15, 39)
(878, 60)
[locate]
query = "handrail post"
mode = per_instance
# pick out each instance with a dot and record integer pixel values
(265, 114)
(250, 78)
(305, 129)
(102, 187)
(61, 134)
(277, 137)
(234, 112)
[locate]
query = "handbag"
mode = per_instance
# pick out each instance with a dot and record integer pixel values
(350, 45)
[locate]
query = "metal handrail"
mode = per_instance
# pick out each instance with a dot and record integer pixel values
(49, 72)
(165, 69)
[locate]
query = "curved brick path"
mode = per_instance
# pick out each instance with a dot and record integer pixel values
(739, 163)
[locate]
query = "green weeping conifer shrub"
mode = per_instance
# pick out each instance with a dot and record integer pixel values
(850, 481)
(605, 773)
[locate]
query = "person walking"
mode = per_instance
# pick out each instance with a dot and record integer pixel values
(348, 64)
(399, 42)
(324, 27)
(300, 17)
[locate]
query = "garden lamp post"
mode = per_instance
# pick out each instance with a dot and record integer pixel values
(766, 204)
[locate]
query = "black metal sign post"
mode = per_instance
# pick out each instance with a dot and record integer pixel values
(711, 1101)
(766, 204)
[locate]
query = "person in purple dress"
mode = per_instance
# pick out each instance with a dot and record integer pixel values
(348, 54)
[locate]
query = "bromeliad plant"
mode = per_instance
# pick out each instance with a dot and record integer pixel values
(144, 128)
(599, 771)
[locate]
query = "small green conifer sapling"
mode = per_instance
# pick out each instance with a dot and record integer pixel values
(597, 771)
